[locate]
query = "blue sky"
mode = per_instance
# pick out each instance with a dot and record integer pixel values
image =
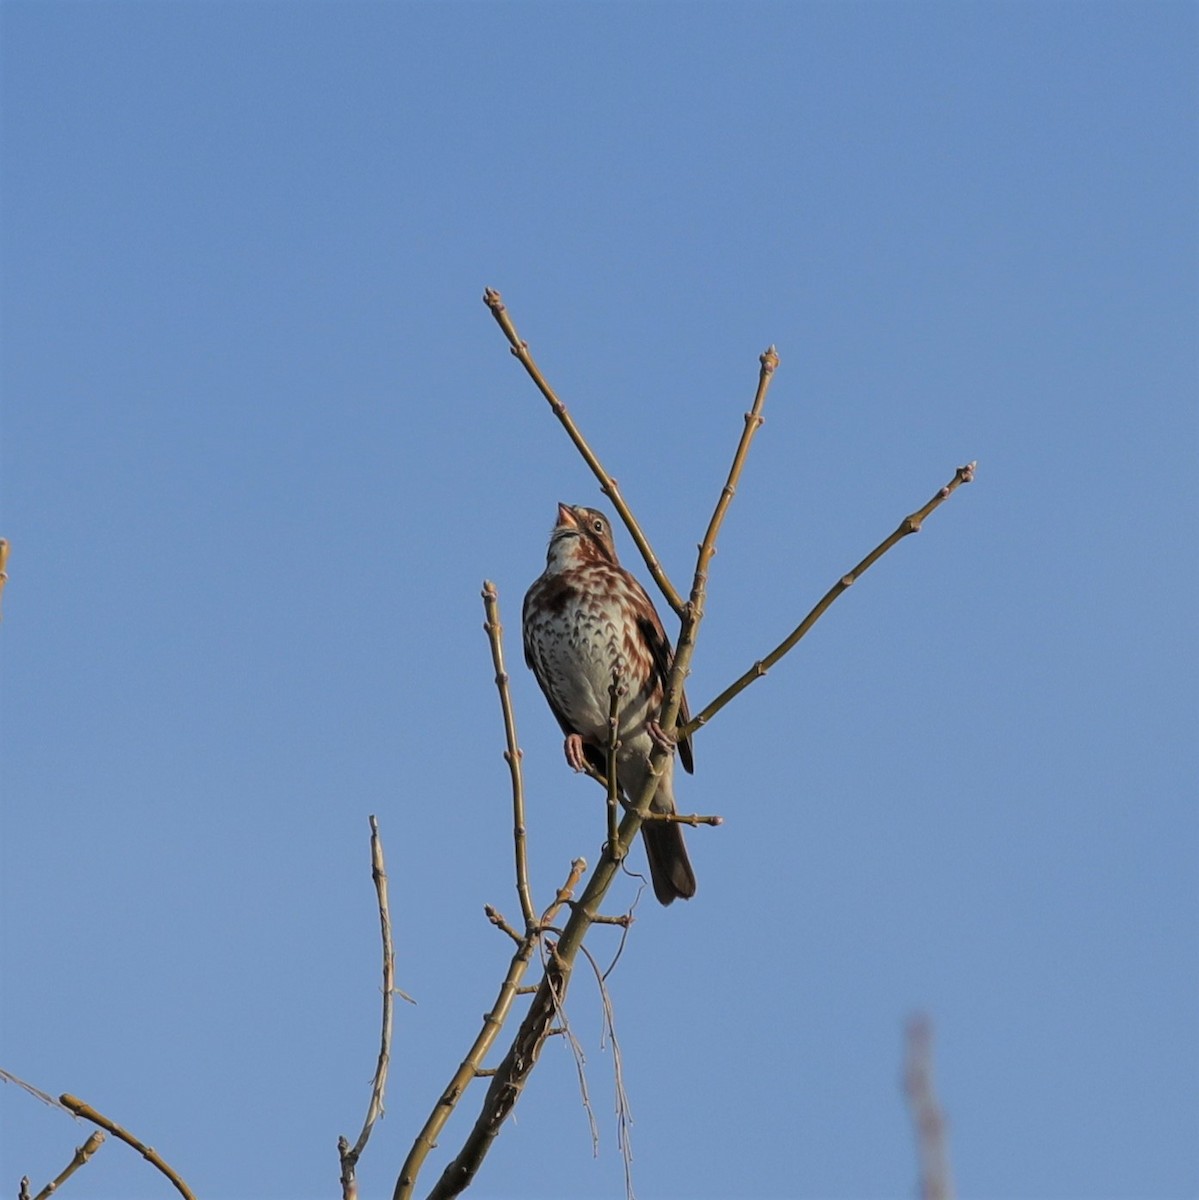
(262, 443)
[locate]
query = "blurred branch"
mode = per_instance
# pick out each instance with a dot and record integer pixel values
(935, 1180)
(608, 484)
(910, 524)
(513, 754)
(151, 1156)
(3, 569)
(82, 1154)
(350, 1156)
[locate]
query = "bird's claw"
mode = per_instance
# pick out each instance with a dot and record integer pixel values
(575, 758)
(660, 737)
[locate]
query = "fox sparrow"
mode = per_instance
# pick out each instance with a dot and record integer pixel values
(585, 618)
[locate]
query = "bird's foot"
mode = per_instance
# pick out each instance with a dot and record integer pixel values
(659, 736)
(574, 752)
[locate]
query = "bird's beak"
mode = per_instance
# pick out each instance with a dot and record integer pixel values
(566, 517)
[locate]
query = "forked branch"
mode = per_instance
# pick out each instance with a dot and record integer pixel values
(910, 524)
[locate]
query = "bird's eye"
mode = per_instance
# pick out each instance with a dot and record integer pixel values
(597, 525)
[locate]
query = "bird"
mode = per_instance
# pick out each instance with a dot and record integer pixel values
(583, 619)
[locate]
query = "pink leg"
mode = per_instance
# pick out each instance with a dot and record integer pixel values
(658, 736)
(574, 752)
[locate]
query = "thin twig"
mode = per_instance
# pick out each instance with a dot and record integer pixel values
(624, 1113)
(936, 1183)
(493, 1022)
(82, 1154)
(37, 1093)
(151, 1156)
(513, 754)
(695, 820)
(497, 919)
(754, 420)
(611, 784)
(694, 614)
(350, 1155)
(3, 569)
(580, 1059)
(608, 484)
(910, 524)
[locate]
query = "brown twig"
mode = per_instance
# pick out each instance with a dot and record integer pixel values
(611, 784)
(754, 420)
(3, 569)
(695, 820)
(82, 1154)
(497, 919)
(608, 484)
(936, 1182)
(151, 1156)
(493, 1022)
(513, 754)
(350, 1155)
(910, 524)
(694, 614)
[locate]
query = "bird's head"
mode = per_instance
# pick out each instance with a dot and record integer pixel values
(581, 535)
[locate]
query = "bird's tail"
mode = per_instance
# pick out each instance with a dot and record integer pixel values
(669, 867)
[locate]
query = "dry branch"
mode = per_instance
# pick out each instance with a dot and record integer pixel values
(513, 754)
(350, 1155)
(151, 1156)
(608, 484)
(910, 524)
(82, 1154)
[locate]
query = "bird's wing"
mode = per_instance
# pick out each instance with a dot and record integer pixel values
(662, 653)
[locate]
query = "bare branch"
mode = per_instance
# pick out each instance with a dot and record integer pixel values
(936, 1182)
(350, 1156)
(497, 919)
(472, 1065)
(910, 524)
(611, 785)
(3, 568)
(754, 420)
(513, 754)
(151, 1156)
(608, 484)
(82, 1154)
(695, 820)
